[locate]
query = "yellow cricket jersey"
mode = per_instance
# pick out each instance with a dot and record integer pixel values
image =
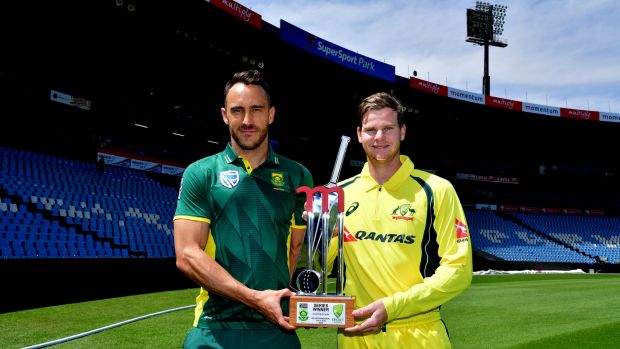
(405, 242)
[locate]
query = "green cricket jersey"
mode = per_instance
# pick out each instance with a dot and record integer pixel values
(406, 242)
(250, 212)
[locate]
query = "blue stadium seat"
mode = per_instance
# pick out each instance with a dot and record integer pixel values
(50, 208)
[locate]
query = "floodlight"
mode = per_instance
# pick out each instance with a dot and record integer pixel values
(485, 24)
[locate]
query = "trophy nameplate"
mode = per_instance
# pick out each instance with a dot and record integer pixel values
(322, 311)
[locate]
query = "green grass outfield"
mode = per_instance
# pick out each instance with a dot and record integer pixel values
(500, 311)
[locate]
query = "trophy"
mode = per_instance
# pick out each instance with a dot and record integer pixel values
(313, 306)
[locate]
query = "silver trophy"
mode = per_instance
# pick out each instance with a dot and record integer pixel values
(313, 306)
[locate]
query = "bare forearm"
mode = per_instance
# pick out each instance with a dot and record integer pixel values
(207, 273)
(191, 241)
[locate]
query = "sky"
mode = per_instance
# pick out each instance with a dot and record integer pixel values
(562, 53)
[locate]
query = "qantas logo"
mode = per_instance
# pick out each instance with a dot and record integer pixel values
(385, 238)
(348, 237)
(461, 231)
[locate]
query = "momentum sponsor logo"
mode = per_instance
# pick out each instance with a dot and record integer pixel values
(465, 95)
(541, 109)
(609, 117)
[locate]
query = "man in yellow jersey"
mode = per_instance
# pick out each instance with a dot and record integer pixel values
(406, 246)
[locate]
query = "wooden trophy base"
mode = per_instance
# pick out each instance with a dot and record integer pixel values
(322, 311)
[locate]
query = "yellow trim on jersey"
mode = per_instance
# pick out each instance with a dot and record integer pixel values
(203, 296)
(192, 218)
(247, 165)
(403, 246)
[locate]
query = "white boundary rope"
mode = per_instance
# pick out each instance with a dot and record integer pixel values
(88, 333)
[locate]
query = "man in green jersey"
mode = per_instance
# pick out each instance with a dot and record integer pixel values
(236, 214)
(406, 245)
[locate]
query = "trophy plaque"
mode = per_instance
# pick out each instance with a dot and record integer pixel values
(313, 306)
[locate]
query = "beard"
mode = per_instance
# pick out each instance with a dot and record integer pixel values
(249, 143)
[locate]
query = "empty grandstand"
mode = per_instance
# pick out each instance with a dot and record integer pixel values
(540, 189)
(58, 207)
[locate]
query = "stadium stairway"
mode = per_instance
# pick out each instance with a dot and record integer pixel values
(520, 222)
(592, 235)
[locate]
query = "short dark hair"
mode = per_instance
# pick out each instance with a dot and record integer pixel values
(379, 101)
(249, 77)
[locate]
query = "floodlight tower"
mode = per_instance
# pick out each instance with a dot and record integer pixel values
(485, 24)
